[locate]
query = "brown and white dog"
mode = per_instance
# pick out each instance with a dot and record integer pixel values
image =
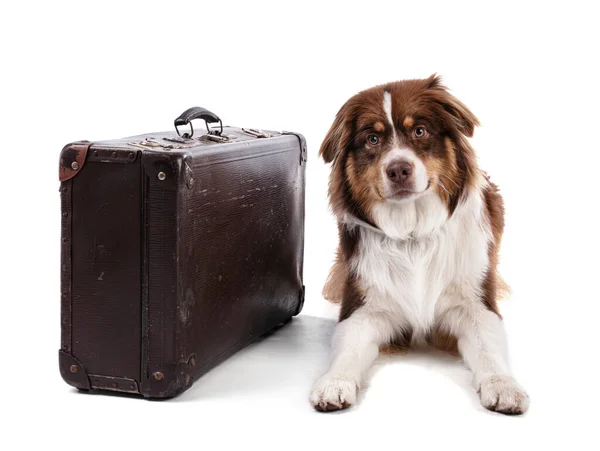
(419, 228)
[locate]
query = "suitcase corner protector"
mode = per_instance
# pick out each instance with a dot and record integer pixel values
(170, 380)
(302, 141)
(72, 371)
(72, 159)
(166, 168)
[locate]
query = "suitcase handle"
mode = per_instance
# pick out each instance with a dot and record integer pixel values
(197, 112)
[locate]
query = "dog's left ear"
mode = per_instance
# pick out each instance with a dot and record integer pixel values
(462, 118)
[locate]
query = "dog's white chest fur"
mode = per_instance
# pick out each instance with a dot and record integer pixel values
(424, 262)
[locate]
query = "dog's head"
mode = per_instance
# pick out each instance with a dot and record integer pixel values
(393, 143)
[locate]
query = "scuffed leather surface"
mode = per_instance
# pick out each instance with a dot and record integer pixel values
(244, 229)
(238, 236)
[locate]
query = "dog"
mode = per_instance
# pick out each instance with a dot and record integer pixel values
(420, 227)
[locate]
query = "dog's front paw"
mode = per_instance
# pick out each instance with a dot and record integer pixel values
(333, 392)
(503, 394)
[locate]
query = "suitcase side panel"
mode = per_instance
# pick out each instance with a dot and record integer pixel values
(100, 283)
(243, 242)
(106, 269)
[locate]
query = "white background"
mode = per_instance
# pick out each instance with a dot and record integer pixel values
(84, 70)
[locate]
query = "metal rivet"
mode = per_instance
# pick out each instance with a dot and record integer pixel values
(133, 387)
(162, 176)
(131, 155)
(192, 362)
(74, 368)
(65, 214)
(64, 240)
(158, 376)
(74, 166)
(114, 155)
(95, 153)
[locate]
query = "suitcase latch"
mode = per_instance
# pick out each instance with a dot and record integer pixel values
(257, 133)
(222, 138)
(152, 143)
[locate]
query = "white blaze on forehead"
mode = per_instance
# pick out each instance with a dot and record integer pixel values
(387, 107)
(401, 154)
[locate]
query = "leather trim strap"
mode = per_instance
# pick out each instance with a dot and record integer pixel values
(65, 265)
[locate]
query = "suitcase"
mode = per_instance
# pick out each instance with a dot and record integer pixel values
(178, 249)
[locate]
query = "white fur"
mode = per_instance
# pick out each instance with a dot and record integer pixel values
(422, 270)
(425, 262)
(387, 107)
(419, 169)
(355, 347)
(503, 394)
(416, 218)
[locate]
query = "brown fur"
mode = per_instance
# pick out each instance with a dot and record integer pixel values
(353, 298)
(352, 295)
(334, 285)
(444, 342)
(494, 287)
(355, 184)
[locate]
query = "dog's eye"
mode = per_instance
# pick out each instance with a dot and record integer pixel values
(373, 140)
(419, 132)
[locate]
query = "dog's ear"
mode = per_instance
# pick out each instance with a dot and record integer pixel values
(461, 117)
(337, 137)
(466, 121)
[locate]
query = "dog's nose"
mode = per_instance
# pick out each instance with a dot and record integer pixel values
(399, 171)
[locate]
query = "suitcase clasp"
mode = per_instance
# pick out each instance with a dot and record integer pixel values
(215, 138)
(152, 143)
(257, 133)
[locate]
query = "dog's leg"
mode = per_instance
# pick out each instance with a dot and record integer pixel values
(355, 347)
(482, 344)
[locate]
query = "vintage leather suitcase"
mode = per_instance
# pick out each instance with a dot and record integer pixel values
(177, 251)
